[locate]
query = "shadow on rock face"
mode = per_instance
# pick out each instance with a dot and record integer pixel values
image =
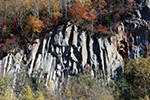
(118, 73)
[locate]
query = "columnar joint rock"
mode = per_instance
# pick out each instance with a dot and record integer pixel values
(68, 52)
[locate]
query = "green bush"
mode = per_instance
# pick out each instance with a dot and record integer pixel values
(86, 87)
(5, 90)
(135, 82)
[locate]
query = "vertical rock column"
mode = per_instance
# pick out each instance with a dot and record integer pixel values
(83, 49)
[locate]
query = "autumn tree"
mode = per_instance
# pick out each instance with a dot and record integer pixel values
(27, 93)
(5, 91)
(78, 11)
(49, 9)
(136, 78)
(33, 27)
(29, 5)
(98, 5)
(33, 23)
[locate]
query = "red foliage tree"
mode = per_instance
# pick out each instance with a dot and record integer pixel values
(100, 26)
(10, 44)
(15, 23)
(116, 17)
(9, 28)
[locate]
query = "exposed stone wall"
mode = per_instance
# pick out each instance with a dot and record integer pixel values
(68, 52)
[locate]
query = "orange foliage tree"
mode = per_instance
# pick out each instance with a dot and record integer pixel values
(90, 12)
(57, 17)
(98, 4)
(78, 11)
(33, 23)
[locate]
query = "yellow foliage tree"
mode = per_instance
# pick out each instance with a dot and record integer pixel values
(43, 4)
(137, 74)
(40, 96)
(5, 93)
(85, 2)
(28, 94)
(8, 95)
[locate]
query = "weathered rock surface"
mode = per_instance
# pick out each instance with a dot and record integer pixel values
(68, 52)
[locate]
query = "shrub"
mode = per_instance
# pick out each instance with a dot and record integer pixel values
(84, 86)
(28, 94)
(5, 93)
(136, 79)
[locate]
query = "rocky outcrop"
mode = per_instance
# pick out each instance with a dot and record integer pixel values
(67, 52)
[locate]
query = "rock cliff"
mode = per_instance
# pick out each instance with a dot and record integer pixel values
(67, 51)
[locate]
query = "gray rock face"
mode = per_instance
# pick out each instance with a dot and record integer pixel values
(138, 41)
(144, 10)
(68, 52)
